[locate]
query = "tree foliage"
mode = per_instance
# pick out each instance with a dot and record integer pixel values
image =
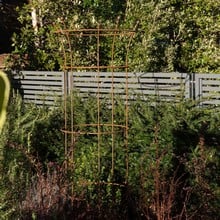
(35, 48)
(9, 23)
(171, 35)
(176, 35)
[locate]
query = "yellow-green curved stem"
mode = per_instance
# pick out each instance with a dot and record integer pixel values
(4, 96)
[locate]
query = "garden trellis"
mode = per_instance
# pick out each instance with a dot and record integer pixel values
(90, 58)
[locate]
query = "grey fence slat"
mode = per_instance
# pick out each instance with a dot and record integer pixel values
(160, 81)
(104, 80)
(43, 93)
(42, 88)
(40, 102)
(101, 74)
(102, 90)
(210, 97)
(40, 77)
(48, 83)
(131, 87)
(211, 81)
(174, 82)
(131, 90)
(96, 84)
(211, 89)
(39, 97)
(41, 73)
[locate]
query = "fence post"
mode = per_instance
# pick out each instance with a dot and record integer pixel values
(192, 86)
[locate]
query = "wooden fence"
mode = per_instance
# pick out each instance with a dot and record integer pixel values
(40, 87)
(207, 88)
(43, 87)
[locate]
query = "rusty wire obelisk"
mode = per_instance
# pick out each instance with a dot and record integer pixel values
(76, 63)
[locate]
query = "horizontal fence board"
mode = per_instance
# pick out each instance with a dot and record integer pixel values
(43, 93)
(35, 82)
(161, 81)
(133, 88)
(211, 102)
(39, 97)
(103, 90)
(40, 102)
(41, 87)
(210, 82)
(103, 74)
(104, 80)
(41, 78)
(211, 89)
(41, 73)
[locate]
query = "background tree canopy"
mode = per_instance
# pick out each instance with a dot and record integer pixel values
(9, 23)
(172, 35)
